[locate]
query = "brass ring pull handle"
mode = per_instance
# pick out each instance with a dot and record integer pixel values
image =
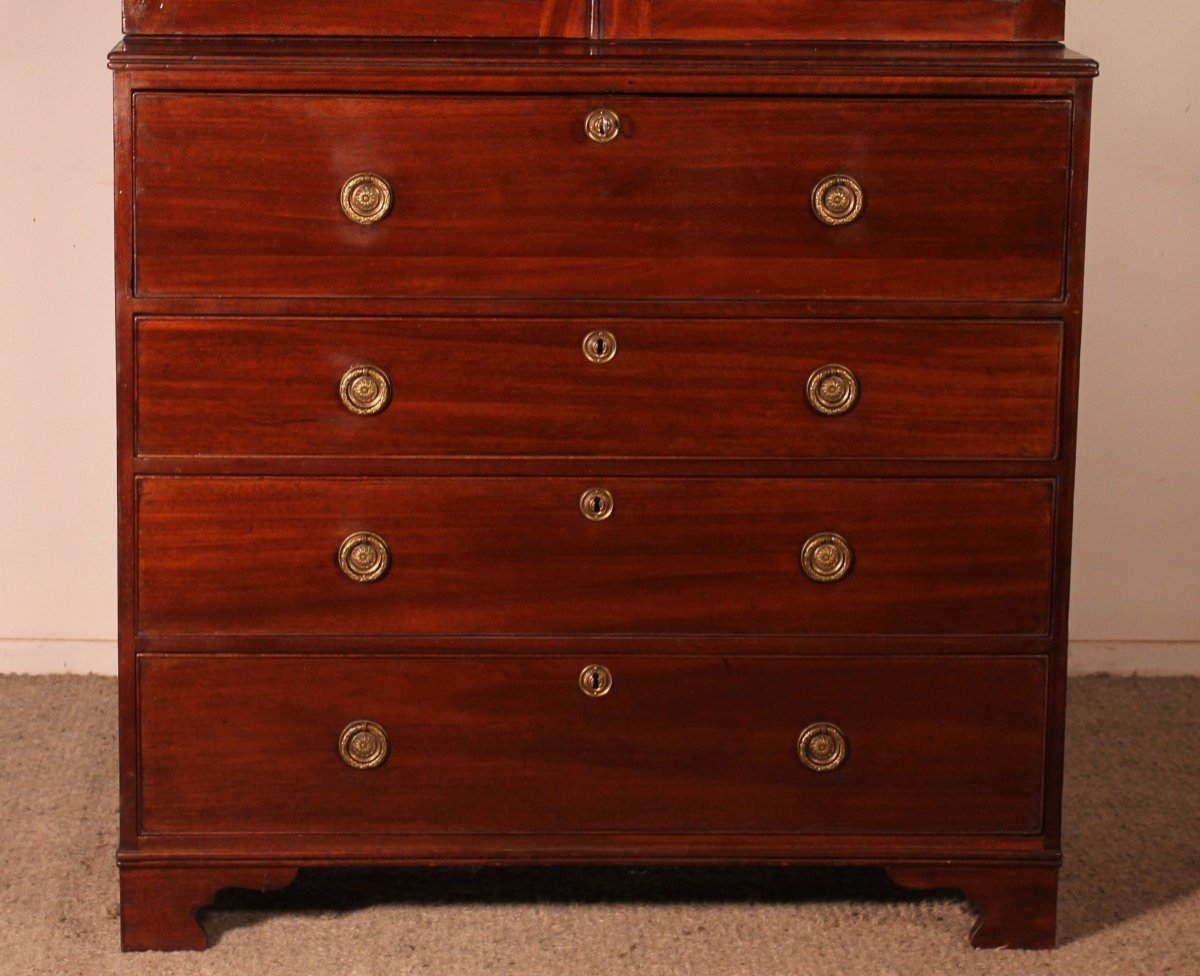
(365, 390)
(364, 745)
(832, 390)
(826, 557)
(599, 346)
(596, 504)
(363, 557)
(837, 200)
(595, 681)
(602, 125)
(822, 747)
(366, 198)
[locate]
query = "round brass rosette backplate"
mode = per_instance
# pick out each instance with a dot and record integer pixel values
(364, 745)
(822, 747)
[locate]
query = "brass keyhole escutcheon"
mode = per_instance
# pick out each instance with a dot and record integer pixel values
(364, 745)
(595, 681)
(837, 200)
(602, 125)
(366, 198)
(832, 390)
(363, 557)
(826, 557)
(596, 504)
(822, 747)
(599, 346)
(365, 390)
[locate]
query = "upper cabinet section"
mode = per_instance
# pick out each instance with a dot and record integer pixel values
(363, 18)
(722, 20)
(835, 20)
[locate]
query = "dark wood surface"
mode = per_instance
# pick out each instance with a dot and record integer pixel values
(504, 387)
(364, 18)
(982, 269)
(493, 745)
(237, 195)
(642, 63)
(914, 20)
(516, 556)
(159, 903)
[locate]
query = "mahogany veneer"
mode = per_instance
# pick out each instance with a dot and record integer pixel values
(701, 198)
(583, 487)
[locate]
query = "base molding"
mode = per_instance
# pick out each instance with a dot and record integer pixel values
(160, 900)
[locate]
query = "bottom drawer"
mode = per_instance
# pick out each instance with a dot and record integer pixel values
(498, 744)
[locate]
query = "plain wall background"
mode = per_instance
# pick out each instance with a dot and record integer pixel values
(1136, 583)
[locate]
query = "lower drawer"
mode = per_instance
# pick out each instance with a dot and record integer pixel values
(486, 744)
(530, 556)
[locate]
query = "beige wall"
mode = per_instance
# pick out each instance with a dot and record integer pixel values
(1136, 589)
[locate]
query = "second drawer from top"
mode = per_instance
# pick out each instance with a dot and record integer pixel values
(969, 390)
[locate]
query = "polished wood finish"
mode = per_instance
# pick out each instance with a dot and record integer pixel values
(512, 388)
(243, 294)
(914, 20)
(832, 20)
(515, 556)
(364, 18)
(481, 744)
(698, 198)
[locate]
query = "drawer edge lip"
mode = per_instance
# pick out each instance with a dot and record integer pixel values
(1036, 646)
(965, 58)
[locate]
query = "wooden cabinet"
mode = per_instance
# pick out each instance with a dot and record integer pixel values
(508, 383)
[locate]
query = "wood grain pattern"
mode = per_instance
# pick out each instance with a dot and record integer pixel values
(364, 18)
(237, 195)
(515, 556)
(947, 642)
(860, 20)
(486, 744)
(504, 387)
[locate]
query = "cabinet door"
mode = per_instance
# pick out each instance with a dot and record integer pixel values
(366, 18)
(877, 20)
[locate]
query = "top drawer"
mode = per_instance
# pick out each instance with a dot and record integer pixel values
(508, 197)
(363, 18)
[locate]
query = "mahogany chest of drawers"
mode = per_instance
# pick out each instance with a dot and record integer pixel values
(628, 431)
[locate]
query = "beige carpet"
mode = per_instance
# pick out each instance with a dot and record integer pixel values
(1129, 903)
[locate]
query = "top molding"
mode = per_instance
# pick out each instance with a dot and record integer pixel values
(690, 20)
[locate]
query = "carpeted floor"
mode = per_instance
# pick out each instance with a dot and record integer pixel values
(1129, 902)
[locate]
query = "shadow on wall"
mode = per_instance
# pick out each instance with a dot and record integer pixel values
(1131, 844)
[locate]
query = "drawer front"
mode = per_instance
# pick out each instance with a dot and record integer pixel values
(518, 556)
(483, 744)
(363, 18)
(507, 197)
(671, 388)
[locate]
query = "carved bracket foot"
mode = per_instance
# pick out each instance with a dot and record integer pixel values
(1018, 903)
(159, 904)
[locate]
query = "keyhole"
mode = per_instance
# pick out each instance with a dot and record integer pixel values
(597, 504)
(600, 345)
(595, 681)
